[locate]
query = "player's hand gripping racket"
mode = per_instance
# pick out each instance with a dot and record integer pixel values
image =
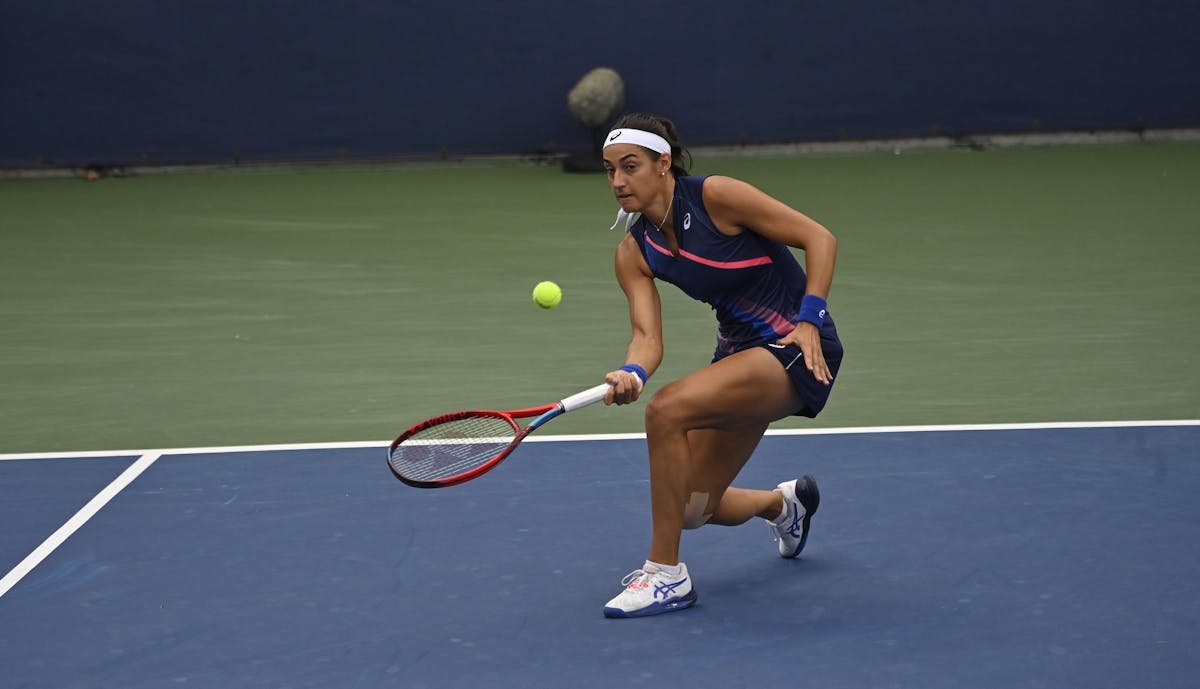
(453, 448)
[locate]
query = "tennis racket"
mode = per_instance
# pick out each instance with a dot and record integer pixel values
(452, 448)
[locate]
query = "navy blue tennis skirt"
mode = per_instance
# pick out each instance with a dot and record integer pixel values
(814, 393)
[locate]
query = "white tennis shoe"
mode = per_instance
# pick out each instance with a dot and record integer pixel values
(649, 591)
(800, 501)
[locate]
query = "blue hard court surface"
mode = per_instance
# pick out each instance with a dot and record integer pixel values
(1008, 558)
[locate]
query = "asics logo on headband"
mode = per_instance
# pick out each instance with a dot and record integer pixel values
(650, 140)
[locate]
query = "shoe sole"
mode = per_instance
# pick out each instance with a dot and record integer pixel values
(810, 497)
(656, 608)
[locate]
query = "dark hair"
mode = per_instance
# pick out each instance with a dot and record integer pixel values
(681, 160)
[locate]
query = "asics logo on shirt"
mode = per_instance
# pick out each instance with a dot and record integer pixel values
(687, 220)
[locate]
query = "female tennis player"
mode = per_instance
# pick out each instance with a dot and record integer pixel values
(725, 243)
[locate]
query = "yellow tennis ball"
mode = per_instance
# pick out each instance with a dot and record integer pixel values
(547, 294)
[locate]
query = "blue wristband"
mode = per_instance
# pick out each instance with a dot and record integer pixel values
(812, 309)
(637, 371)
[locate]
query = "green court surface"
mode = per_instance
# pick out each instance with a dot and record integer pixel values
(323, 304)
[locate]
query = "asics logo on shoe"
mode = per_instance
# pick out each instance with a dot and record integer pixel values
(794, 527)
(666, 590)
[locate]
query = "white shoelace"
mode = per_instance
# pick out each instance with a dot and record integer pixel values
(776, 533)
(634, 576)
(777, 530)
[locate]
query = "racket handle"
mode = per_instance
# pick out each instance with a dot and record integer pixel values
(587, 397)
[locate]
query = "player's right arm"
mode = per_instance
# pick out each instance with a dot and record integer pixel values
(645, 318)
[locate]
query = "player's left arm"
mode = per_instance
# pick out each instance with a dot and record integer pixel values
(736, 206)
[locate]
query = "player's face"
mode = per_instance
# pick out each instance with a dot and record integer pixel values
(634, 175)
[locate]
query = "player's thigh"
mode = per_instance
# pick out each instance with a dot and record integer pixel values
(745, 390)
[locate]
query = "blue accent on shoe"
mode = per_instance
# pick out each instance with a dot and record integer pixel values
(794, 527)
(656, 608)
(665, 590)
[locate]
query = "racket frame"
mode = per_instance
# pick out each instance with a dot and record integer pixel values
(543, 413)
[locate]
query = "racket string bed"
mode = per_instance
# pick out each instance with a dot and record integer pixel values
(452, 447)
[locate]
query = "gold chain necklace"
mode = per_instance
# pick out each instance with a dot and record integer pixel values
(664, 220)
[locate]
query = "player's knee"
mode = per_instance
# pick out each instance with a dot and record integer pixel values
(665, 409)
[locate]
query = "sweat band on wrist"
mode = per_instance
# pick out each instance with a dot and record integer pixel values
(812, 309)
(637, 371)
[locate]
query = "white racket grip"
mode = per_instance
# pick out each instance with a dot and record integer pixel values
(588, 397)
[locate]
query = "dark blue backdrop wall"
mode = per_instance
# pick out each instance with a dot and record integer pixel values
(158, 81)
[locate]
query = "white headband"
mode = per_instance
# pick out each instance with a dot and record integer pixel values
(650, 140)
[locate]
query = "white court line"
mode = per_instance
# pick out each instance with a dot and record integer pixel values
(74, 523)
(1050, 425)
(194, 450)
(535, 438)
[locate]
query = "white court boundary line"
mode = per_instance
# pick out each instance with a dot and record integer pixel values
(149, 457)
(75, 522)
(851, 430)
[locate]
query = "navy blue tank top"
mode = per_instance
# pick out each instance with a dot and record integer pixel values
(753, 283)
